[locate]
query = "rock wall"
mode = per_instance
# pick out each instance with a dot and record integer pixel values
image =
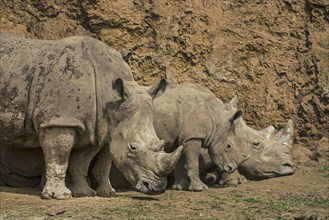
(273, 54)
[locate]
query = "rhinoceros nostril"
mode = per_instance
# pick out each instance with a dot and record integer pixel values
(228, 169)
(288, 164)
(146, 184)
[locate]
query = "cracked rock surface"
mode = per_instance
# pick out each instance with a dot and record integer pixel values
(273, 54)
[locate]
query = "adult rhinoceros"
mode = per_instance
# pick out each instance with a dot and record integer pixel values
(269, 150)
(73, 97)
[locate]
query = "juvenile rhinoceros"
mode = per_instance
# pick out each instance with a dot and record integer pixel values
(76, 97)
(188, 115)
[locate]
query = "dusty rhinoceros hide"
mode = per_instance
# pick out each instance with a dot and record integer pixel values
(181, 117)
(76, 94)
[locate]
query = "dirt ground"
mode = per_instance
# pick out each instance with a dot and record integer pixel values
(304, 195)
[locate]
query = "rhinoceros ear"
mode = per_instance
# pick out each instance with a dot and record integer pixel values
(287, 134)
(234, 101)
(119, 89)
(158, 89)
(268, 132)
(236, 115)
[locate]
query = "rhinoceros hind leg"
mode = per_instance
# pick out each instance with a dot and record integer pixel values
(101, 173)
(56, 144)
(78, 170)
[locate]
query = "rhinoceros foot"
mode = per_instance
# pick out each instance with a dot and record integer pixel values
(78, 191)
(56, 192)
(232, 179)
(181, 184)
(211, 179)
(197, 186)
(106, 191)
(179, 187)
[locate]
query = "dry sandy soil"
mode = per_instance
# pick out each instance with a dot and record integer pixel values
(304, 195)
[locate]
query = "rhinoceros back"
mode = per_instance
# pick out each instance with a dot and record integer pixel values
(56, 83)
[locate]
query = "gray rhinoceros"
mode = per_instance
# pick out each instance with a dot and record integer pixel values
(181, 114)
(188, 115)
(74, 98)
(269, 150)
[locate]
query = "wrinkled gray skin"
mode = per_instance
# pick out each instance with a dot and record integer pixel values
(269, 150)
(271, 153)
(187, 115)
(74, 98)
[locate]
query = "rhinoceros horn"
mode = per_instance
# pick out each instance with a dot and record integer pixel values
(167, 161)
(268, 132)
(287, 134)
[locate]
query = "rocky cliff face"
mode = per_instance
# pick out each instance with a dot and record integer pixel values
(273, 54)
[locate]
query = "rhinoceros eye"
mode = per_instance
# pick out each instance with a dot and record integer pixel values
(133, 147)
(228, 147)
(256, 145)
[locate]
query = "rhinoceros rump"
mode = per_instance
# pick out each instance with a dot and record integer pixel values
(73, 97)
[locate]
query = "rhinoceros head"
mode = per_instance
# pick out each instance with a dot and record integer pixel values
(134, 146)
(224, 151)
(271, 154)
(269, 150)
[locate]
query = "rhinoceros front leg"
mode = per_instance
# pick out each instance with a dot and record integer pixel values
(56, 144)
(181, 182)
(192, 153)
(78, 169)
(101, 172)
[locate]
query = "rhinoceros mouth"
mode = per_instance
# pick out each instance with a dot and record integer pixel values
(149, 188)
(287, 168)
